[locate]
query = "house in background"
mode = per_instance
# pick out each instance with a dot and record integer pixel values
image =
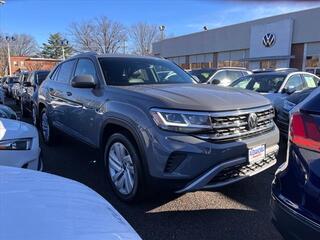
(24, 63)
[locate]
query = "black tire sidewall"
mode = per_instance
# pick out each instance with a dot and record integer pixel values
(122, 138)
(50, 140)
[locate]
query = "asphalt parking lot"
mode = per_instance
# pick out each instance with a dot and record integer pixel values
(240, 211)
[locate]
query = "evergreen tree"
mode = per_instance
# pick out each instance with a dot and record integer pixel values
(53, 49)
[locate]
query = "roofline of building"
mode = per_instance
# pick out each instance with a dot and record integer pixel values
(236, 24)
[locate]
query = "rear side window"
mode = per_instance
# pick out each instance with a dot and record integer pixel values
(85, 67)
(65, 71)
(54, 75)
(311, 81)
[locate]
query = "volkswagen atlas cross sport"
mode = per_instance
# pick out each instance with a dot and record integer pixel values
(160, 130)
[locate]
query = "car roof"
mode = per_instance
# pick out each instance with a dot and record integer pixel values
(93, 54)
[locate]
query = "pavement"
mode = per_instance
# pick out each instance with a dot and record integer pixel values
(239, 211)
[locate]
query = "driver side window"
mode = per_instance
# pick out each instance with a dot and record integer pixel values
(296, 82)
(85, 67)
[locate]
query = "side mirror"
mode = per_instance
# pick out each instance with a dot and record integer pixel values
(290, 90)
(27, 84)
(216, 81)
(83, 81)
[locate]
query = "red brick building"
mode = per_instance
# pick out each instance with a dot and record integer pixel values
(23, 63)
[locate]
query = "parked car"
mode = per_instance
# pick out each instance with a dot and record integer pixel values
(219, 76)
(296, 187)
(163, 132)
(38, 206)
(17, 88)
(29, 93)
(19, 145)
(277, 86)
(7, 112)
(283, 115)
(8, 84)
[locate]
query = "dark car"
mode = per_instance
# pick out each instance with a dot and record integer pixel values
(155, 127)
(283, 113)
(295, 198)
(7, 85)
(219, 76)
(29, 93)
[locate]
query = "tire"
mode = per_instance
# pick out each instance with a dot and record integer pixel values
(130, 169)
(24, 113)
(47, 131)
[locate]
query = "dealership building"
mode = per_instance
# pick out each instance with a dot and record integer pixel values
(288, 40)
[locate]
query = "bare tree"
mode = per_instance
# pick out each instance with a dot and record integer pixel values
(142, 36)
(23, 45)
(100, 35)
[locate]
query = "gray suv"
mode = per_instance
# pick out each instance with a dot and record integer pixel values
(157, 129)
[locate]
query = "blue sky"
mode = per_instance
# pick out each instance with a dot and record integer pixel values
(42, 17)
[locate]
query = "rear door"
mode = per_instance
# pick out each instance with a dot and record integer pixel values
(59, 92)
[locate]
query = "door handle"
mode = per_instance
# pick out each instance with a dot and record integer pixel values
(69, 93)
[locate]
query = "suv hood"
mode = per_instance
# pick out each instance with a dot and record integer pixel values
(199, 97)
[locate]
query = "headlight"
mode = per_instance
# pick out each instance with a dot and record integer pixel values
(288, 106)
(181, 121)
(16, 144)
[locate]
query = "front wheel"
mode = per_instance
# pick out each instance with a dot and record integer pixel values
(123, 167)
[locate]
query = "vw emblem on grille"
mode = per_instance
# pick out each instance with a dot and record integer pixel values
(252, 121)
(269, 40)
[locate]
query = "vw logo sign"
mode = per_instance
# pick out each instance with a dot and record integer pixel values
(269, 40)
(252, 121)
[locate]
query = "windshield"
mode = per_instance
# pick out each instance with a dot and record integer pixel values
(135, 71)
(260, 83)
(203, 74)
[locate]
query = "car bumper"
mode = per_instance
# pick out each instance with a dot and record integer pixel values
(30, 159)
(291, 224)
(198, 164)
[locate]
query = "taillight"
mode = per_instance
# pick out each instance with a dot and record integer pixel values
(305, 131)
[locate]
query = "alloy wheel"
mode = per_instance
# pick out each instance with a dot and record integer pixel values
(121, 168)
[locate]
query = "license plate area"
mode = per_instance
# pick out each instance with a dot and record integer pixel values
(257, 153)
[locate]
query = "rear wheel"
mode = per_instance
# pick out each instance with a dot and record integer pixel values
(47, 132)
(123, 167)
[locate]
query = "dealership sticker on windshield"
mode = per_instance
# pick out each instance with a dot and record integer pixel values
(257, 153)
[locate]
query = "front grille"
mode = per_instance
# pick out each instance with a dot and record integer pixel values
(234, 125)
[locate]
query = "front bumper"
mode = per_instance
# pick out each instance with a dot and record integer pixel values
(291, 224)
(30, 159)
(196, 164)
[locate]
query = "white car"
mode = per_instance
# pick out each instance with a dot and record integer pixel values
(41, 206)
(19, 145)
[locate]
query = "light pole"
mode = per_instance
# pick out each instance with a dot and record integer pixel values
(2, 2)
(64, 43)
(162, 28)
(8, 39)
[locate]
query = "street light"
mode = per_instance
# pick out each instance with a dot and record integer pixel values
(64, 43)
(2, 2)
(205, 28)
(8, 40)
(162, 28)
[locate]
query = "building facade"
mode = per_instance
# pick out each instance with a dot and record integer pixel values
(22, 63)
(288, 40)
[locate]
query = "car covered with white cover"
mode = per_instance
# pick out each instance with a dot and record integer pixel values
(41, 206)
(19, 145)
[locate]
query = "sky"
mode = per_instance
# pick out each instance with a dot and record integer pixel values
(42, 17)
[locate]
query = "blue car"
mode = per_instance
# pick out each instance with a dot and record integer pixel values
(295, 198)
